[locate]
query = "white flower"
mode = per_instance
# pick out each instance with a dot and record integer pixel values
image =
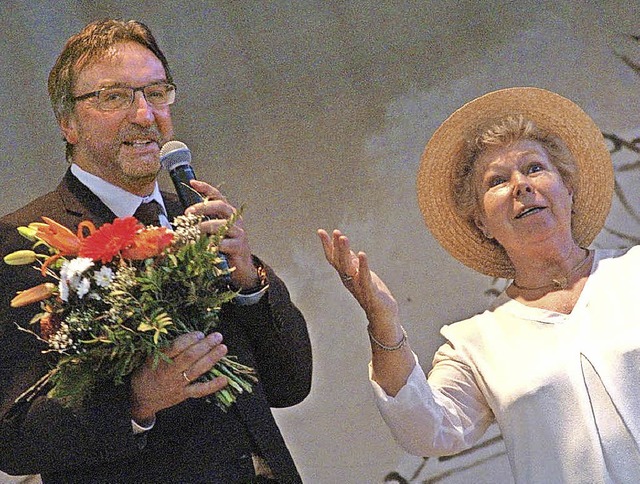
(73, 269)
(71, 277)
(82, 287)
(104, 276)
(63, 288)
(62, 339)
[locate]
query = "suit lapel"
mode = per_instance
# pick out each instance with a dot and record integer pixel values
(81, 203)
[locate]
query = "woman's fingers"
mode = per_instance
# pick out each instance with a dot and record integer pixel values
(327, 245)
(338, 253)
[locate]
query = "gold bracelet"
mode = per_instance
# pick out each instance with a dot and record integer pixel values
(400, 344)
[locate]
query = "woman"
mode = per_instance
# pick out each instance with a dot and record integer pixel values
(516, 184)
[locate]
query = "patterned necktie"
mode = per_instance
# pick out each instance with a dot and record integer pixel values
(147, 213)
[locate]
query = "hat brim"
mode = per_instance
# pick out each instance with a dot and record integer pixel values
(444, 151)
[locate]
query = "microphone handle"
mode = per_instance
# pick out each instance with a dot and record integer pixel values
(181, 177)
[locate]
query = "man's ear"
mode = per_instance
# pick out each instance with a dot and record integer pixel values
(69, 129)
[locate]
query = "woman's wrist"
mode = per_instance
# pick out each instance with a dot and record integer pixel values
(383, 344)
(386, 332)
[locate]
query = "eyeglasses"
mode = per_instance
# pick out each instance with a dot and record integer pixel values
(117, 98)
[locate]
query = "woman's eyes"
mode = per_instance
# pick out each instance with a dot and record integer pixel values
(496, 180)
(534, 168)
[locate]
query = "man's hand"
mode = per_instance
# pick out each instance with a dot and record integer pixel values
(169, 383)
(235, 244)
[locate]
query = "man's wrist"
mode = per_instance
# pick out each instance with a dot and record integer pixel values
(262, 280)
(253, 295)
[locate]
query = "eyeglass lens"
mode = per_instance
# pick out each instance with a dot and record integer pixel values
(115, 98)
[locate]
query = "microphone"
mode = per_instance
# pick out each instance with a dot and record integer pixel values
(175, 157)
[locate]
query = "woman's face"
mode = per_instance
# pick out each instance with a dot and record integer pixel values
(522, 198)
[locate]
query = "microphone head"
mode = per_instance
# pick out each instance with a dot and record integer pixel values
(174, 154)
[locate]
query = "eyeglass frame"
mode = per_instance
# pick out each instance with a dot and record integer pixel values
(141, 89)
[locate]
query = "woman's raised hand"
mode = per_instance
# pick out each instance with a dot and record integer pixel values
(371, 293)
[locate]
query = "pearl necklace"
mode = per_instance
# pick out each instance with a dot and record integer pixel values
(559, 282)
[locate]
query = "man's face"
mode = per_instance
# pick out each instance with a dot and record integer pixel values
(121, 147)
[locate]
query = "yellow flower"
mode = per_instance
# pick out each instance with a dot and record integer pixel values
(158, 325)
(20, 257)
(35, 294)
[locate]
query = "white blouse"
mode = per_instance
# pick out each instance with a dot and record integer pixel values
(564, 389)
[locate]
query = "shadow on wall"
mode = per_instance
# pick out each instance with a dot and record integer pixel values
(626, 159)
(481, 464)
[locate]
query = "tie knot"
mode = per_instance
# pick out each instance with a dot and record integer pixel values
(147, 213)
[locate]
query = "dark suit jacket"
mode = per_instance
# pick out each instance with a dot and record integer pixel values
(191, 442)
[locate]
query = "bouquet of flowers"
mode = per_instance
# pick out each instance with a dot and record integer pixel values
(123, 293)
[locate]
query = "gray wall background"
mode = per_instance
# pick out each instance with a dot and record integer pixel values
(314, 114)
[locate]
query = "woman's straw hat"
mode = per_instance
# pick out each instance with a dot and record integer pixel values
(550, 111)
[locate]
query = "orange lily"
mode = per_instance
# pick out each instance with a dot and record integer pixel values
(58, 236)
(35, 294)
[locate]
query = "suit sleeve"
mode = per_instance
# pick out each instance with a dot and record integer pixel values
(277, 334)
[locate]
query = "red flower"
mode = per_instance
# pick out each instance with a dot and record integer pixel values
(148, 243)
(110, 239)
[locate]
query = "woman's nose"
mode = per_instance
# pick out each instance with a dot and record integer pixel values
(521, 184)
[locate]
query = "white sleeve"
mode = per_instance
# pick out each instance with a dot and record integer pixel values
(442, 416)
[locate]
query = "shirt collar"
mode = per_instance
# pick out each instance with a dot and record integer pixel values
(121, 202)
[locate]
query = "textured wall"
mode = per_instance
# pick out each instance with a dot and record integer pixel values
(314, 114)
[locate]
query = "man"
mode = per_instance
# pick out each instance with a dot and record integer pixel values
(111, 90)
